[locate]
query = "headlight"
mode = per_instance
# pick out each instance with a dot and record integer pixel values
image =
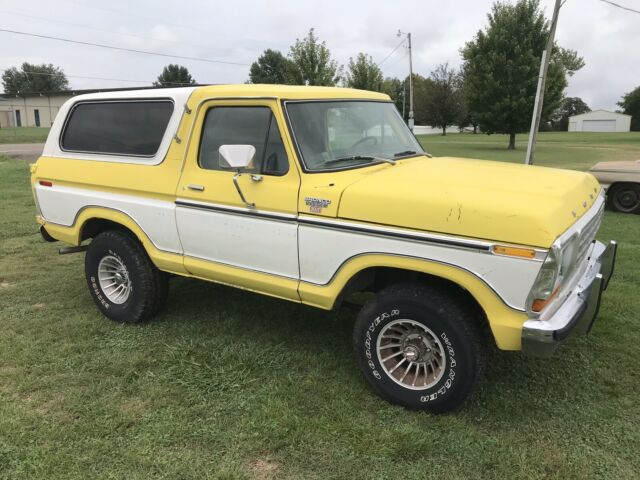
(547, 281)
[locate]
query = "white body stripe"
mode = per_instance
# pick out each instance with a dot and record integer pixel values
(270, 244)
(324, 250)
(255, 243)
(61, 205)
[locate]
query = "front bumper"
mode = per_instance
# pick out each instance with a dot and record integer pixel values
(578, 312)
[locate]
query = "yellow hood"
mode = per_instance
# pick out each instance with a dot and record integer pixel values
(474, 198)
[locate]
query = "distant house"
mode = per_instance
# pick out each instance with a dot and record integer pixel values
(40, 109)
(600, 121)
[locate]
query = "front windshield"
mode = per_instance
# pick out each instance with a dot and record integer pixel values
(344, 134)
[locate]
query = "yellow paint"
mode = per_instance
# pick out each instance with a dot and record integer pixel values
(506, 323)
(481, 199)
(511, 203)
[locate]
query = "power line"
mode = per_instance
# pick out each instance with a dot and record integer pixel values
(392, 52)
(621, 6)
(111, 47)
(62, 22)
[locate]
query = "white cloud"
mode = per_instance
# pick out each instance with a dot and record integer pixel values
(239, 31)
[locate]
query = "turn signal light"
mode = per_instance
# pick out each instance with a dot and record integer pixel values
(539, 303)
(514, 251)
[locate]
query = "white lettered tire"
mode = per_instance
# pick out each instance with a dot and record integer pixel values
(419, 346)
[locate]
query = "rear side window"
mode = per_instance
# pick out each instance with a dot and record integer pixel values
(117, 128)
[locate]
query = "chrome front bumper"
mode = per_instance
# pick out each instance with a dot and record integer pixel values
(578, 312)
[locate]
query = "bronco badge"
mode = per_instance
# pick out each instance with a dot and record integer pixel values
(316, 204)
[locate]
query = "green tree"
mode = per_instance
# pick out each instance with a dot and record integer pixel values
(174, 76)
(630, 104)
(364, 74)
(271, 67)
(501, 66)
(312, 63)
(444, 104)
(568, 107)
(394, 87)
(31, 78)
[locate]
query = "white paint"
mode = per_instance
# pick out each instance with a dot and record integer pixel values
(255, 243)
(600, 121)
(324, 250)
(61, 205)
(179, 96)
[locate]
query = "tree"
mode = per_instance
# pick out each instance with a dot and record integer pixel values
(394, 87)
(568, 107)
(271, 67)
(30, 78)
(444, 105)
(312, 63)
(501, 66)
(630, 104)
(174, 76)
(364, 74)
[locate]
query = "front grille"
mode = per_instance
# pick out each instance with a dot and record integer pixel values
(587, 235)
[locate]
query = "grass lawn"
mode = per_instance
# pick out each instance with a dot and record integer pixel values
(24, 135)
(554, 149)
(228, 384)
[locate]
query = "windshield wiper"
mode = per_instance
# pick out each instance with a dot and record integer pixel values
(411, 152)
(406, 152)
(368, 158)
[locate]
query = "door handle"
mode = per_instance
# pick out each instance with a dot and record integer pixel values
(197, 188)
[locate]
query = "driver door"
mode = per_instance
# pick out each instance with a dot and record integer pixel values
(249, 243)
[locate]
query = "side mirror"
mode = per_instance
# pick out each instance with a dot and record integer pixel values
(236, 157)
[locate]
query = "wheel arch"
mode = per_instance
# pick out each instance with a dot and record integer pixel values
(372, 272)
(91, 221)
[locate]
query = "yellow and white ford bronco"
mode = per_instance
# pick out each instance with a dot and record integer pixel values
(311, 194)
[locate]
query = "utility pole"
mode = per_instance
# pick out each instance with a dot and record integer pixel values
(411, 122)
(542, 78)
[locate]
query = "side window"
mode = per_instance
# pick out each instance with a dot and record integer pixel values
(117, 127)
(243, 126)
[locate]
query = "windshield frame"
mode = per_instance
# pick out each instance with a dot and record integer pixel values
(298, 152)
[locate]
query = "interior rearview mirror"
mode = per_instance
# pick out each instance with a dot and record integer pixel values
(236, 157)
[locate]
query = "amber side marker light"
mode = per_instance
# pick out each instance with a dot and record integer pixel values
(514, 251)
(539, 303)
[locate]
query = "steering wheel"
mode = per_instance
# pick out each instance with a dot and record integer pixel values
(363, 140)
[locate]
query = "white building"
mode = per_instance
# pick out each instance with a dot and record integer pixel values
(600, 121)
(39, 110)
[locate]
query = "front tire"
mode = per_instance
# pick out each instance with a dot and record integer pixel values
(419, 347)
(124, 283)
(624, 197)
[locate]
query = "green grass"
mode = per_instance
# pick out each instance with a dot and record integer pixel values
(554, 149)
(24, 135)
(229, 384)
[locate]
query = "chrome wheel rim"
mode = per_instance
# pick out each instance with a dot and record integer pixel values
(114, 279)
(411, 354)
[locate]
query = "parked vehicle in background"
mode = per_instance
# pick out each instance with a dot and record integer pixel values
(622, 182)
(311, 194)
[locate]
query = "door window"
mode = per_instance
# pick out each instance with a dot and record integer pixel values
(243, 126)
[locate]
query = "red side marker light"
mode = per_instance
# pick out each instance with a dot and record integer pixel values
(45, 183)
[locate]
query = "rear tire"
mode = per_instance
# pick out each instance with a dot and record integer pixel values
(420, 347)
(624, 197)
(124, 283)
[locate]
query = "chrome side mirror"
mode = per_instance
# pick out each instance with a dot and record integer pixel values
(238, 158)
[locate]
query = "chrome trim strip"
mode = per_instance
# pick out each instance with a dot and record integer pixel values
(216, 207)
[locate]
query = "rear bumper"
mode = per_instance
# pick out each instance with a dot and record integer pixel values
(576, 315)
